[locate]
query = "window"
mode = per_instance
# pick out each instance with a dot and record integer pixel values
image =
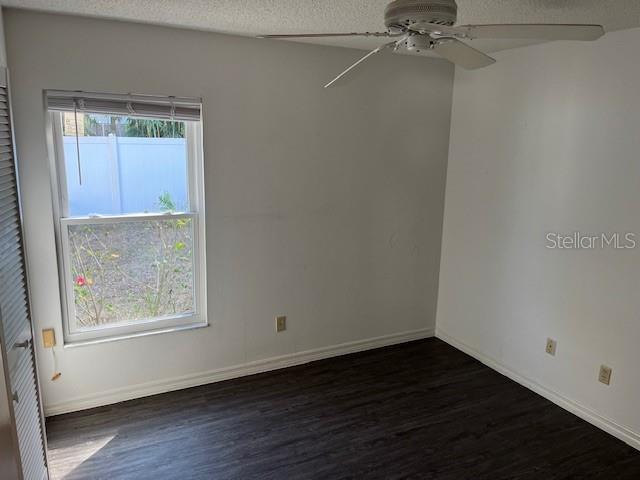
(129, 205)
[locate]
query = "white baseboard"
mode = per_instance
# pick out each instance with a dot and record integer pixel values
(619, 431)
(178, 383)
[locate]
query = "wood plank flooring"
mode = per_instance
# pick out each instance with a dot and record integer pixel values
(419, 410)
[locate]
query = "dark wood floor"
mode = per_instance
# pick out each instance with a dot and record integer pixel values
(418, 410)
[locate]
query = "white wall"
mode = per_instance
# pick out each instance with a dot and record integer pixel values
(3, 46)
(324, 205)
(547, 140)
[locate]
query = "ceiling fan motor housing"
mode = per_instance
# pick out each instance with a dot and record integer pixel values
(400, 14)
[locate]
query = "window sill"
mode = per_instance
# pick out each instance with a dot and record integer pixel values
(129, 336)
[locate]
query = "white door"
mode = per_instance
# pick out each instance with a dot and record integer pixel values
(15, 323)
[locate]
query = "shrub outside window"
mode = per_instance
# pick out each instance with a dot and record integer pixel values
(129, 208)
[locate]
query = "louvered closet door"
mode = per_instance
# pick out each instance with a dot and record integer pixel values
(15, 323)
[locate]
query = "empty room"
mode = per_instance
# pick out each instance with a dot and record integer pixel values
(302, 239)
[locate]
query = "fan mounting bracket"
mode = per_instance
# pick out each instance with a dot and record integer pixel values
(404, 15)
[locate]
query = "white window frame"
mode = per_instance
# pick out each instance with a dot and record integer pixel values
(195, 175)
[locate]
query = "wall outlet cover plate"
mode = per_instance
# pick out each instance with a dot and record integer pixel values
(49, 338)
(605, 375)
(551, 346)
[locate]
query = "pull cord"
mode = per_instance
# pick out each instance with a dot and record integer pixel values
(75, 116)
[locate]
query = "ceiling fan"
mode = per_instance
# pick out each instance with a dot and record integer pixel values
(421, 26)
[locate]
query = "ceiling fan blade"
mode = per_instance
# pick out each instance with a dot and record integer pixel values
(462, 54)
(322, 35)
(366, 57)
(533, 31)
(437, 29)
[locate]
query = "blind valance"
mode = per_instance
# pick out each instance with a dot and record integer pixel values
(167, 108)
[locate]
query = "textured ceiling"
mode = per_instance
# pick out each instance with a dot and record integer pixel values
(251, 17)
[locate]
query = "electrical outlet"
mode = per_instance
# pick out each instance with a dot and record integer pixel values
(605, 375)
(49, 338)
(551, 346)
(281, 324)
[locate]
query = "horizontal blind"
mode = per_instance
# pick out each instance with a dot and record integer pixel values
(167, 108)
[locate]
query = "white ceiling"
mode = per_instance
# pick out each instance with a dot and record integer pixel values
(251, 17)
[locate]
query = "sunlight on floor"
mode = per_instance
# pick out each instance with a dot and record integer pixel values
(81, 454)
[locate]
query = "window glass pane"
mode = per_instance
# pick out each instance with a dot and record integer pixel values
(124, 164)
(131, 271)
